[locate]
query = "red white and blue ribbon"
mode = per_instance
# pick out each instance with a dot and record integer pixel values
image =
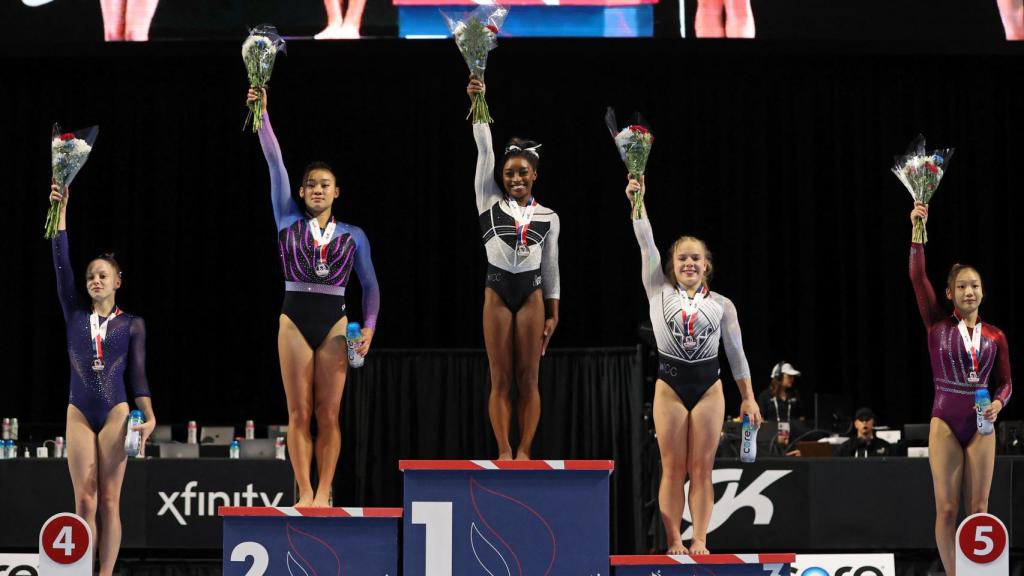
(98, 331)
(321, 240)
(689, 307)
(522, 215)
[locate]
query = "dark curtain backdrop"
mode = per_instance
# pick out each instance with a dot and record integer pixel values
(777, 154)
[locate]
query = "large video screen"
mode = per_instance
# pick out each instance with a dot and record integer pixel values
(956, 23)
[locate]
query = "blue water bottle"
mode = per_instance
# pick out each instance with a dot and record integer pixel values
(981, 403)
(133, 438)
(234, 449)
(355, 337)
(748, 445)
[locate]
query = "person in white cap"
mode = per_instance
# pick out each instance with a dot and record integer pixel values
(781, 401)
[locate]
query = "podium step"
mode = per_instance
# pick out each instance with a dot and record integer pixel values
(710, 565)
(307, 541)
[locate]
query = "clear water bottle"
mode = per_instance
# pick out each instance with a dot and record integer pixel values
(279, 448)
(12, 449)
(14, 429)
(355, 337)
(982, 401)
(193, 430)
(250, 430)
(133, 439)
(3, 449)
(748, 444)
(58, 447)
(234, 449)
(6, 429)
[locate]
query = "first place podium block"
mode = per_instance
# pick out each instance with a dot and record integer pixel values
(541, 517)
(706, 565)
(310, 541)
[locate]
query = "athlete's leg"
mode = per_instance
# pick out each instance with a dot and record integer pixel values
(671, 422)
(946, 459)
(529, 336)
(331, 369)
(705, 431)
(498, 339)
(708, 22)
(112, 463)
(297, 374)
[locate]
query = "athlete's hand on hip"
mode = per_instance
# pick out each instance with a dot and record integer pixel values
(920, 212)
(364, 347)
(549, 329)
(992, 412)
(475, 86)
(635, 186)
(253, 96)
(751, 409)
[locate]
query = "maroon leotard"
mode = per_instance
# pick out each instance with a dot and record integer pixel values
(951, 363)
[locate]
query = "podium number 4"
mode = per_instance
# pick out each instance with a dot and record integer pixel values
(64, 541)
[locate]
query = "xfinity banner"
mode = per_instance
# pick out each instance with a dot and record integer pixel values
(844, 565)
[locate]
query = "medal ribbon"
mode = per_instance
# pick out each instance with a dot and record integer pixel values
(320, 241)
(688, 308)
(522, 216)
(972, 342)
(98, 331)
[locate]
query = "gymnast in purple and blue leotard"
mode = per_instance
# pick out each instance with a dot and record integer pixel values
(106, 349)
(966, 355)
(318, 254)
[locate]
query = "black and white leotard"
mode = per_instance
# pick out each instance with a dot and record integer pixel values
(521, 242)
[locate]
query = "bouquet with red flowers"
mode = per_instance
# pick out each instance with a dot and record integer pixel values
(68, 153)
(634, 144)
(476, 34)
(920, 172)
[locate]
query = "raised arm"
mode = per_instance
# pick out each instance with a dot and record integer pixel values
(487, 191)
(927, 304)
(650, 258)
(285, 210)
(61, 259)
(732, 339)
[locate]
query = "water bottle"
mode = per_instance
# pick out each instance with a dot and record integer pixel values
(981, 403)
(133, 439)
(3, 449)
(58, 447)
(748, 446)
(14, 429)
(354, 336)
(233, 450)
(12, 449)
(6, 429)
(250, 430)
(192, 432)
(279, 448)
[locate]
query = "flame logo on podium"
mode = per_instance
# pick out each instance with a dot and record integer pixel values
(501, 550)
(309, 555)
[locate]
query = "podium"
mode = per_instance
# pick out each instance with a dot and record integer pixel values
(706, 565)
(505, 517)
(549, 18)
(308, 541)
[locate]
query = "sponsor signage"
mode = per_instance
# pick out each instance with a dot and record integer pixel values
(844, 565)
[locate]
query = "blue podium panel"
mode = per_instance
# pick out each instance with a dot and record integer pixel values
(539, 517)
(416, 20)
(707, 565)
(310, 541)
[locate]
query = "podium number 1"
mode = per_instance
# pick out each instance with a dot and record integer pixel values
(437, 518)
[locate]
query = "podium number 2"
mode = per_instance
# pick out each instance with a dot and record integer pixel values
(64, 541)
(260, 558)
(437, 518)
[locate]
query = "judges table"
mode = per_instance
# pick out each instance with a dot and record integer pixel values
(789, 504)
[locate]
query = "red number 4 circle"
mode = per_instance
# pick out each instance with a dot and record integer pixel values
(65, 539)
(982, 539)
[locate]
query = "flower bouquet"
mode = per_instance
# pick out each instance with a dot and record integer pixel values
(921, 173)
(634, 144)
(476, 34)
(68, 153)
(259, 52)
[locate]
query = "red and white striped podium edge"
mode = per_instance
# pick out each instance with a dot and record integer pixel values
(291, 511)
(506, 465)
(667, 560)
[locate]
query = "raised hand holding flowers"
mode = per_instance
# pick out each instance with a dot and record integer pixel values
(68, 153)
(634, 145)
(920, 172)
(476, 34)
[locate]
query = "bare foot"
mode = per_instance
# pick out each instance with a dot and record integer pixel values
(698, 547)
(304, 501)
(677, 550)
(505, 454)
(349, 32)
(331, 33)
(322, 502)
(520, 455)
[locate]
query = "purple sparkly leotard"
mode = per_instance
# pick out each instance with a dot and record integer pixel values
(316, 275)
(93, 392)
(952, 363)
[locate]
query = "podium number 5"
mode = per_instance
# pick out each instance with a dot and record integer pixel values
(260, 558)
(64, 541)
(980, 537)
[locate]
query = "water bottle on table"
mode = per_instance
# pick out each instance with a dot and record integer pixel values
(133, 439)
(748, 443)
(355, 337)
(234, 449)
(982, 401)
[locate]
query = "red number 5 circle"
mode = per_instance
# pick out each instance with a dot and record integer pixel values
(65, 539)
(982, 539)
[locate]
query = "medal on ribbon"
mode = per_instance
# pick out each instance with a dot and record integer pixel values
(320, 242)
(98, 332)
(522, 216)
(688, 310)
(972, 344)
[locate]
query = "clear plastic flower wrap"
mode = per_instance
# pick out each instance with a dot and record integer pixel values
(921, 172)
(259, 51)
(634, 145)
(68, 153)
(476, 34)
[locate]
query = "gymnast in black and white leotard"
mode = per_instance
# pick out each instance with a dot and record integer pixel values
(521, 240)
(689, 320)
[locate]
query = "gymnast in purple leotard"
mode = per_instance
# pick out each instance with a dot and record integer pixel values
(106, 348)
(318, 254)
(966, 355)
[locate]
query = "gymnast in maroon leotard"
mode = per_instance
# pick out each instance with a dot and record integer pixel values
(966, 355)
